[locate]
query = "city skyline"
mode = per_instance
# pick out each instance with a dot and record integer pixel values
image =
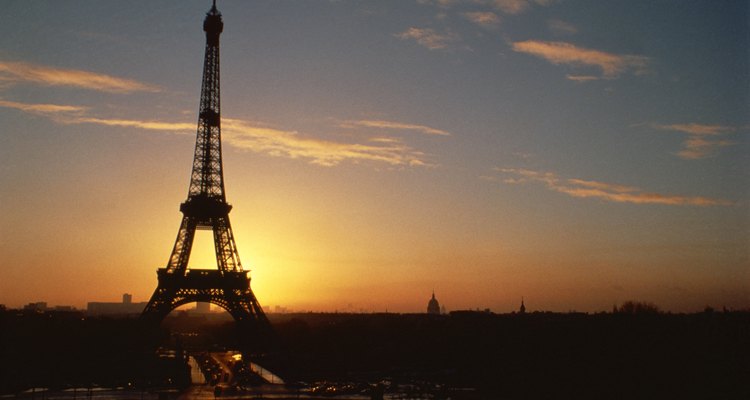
(206, 307)
(577, 154)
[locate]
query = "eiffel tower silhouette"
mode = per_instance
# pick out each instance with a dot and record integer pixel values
(206, 208)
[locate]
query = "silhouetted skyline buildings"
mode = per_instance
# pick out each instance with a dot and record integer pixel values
(126, 307)
(536, 355)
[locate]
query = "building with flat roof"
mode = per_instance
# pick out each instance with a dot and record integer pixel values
(127, 307)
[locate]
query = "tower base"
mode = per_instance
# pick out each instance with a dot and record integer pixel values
(228, 290)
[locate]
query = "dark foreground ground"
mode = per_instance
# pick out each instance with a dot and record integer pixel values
(538, 355)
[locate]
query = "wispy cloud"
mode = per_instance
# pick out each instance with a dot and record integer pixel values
(516, 6)
(504, 6)
(17, 72)
(611, 65)
(581, 188)
(511, 6)
(702, 140)
(394, 125)
(129, 123)
(560, 27)
(428, 37)
(283, 143)
(439, 3)
(247, 135)
(582, 78)
(485, 19)
(42, 109)
(698, 129)
(69, 114)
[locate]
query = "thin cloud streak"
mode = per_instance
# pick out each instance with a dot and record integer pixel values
(485, 19)
(696, 147)
(395, 125)
(581, 188)
(560, 27)
(703, 140)
(245, 135)
(280, 143)
(697, 129)
(611, 65)
(42, 109)
(127, 123)
(511, 7)
(17, 72)
(582, 78)
(516, 6)
(428, 38)
(67, 114)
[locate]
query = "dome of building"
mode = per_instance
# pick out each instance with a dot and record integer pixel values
(433, 307)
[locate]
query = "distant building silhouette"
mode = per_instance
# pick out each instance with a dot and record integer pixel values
(522, 309)
(433, 307)
(39, 307)
(280, 310)
(125, 308)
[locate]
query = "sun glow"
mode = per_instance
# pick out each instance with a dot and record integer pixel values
(203, 254)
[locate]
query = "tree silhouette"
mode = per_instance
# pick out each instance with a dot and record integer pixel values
(637, 307)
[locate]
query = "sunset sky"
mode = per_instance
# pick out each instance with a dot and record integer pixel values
(576, 153)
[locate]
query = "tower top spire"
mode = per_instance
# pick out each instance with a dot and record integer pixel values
(213, 25)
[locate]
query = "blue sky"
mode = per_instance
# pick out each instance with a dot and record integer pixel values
(578, 154)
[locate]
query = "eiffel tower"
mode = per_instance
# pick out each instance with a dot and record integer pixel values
(206, 208)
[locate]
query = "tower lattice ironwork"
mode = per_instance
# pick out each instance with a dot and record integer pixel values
(206, 207)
